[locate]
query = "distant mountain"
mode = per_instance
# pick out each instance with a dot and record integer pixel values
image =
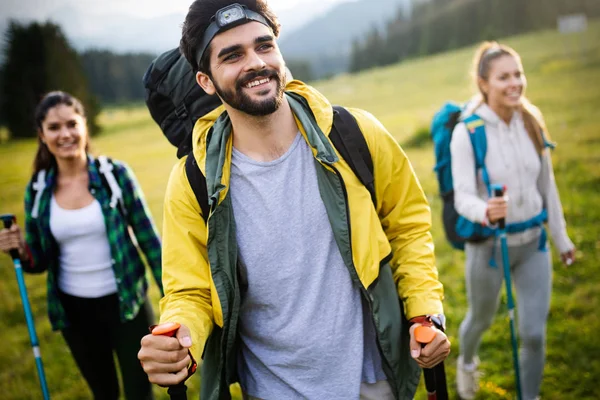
(123, 33)
(318, 31)
(118, 32)
(326, 41)
(295, 17)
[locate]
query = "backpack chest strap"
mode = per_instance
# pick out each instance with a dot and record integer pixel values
(38, 186)
(106, 167)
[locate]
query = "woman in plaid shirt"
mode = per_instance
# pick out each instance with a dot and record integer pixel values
(96, 277)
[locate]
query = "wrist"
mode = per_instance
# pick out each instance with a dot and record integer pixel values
(437, 320)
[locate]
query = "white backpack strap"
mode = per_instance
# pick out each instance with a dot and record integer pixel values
(106, 169)
(38, 186)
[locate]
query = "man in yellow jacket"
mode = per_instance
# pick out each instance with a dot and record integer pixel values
(296, 286)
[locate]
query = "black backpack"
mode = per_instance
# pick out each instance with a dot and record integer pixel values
(176, 101)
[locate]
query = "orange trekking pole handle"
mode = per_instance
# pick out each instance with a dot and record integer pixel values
(435, 378)
(178, 391)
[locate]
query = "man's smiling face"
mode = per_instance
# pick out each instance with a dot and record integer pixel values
(246, 69)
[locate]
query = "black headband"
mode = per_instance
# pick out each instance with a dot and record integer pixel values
(224, 19)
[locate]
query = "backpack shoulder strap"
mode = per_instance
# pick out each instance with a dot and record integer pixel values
(198, 183)
(476, 128)
(105, 167)
(350, 142)
(345, 135)
(38, 187)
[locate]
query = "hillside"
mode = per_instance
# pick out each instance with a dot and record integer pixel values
(330, 36)
(564, 81)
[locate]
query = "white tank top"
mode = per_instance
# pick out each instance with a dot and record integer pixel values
(85, 259)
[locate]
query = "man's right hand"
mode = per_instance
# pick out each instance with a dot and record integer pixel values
(166, 359)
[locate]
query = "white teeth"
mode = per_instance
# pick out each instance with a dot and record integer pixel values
(257, 82)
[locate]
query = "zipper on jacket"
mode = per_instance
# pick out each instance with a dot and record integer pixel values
(386, 364)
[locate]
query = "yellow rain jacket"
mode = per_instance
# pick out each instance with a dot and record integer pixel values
(388, 249)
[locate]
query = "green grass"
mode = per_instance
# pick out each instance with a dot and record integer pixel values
(564, 81)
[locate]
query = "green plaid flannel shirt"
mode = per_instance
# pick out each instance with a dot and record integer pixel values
(128, 266)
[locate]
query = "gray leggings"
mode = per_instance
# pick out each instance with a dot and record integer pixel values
(531, 273)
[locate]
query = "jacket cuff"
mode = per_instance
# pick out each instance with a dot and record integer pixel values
(29, 262)
(564, 244)
(421, 307)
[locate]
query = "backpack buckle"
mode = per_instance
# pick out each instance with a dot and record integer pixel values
(181, 111)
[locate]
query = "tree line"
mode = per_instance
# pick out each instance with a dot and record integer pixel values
(116, 78)
(38, 59)
(435, 26)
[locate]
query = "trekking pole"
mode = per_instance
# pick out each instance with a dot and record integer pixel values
(178, 391)
(499, 192)
(8, 220)
(435, 378)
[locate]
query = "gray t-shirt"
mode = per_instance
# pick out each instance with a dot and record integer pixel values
(305, 332)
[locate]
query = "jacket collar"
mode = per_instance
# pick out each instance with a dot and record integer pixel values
(481, 109)
(318, 104)
(93, 172)
(213, 140)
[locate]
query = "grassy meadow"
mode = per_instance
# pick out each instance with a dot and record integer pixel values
(564, 81)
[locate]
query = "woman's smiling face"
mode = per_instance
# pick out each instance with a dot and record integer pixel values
(64, 131)
(505, 84)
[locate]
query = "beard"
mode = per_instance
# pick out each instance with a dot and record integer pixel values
(240, 100)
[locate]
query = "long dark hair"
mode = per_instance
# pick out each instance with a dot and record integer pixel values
(44, 159)
(534, 123)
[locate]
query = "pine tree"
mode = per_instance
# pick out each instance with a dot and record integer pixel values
(38, 59)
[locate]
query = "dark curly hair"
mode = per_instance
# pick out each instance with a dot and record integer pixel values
(199, 17)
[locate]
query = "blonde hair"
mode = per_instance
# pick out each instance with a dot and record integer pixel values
(532, 118)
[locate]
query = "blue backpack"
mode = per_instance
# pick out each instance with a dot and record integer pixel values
(459, 229)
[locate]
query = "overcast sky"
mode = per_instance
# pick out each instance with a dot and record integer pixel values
(40, 9)
(135, 25)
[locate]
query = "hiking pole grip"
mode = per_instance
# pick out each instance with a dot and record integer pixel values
(435, 378)
(499, 192)
(8, 220)
(178, 391)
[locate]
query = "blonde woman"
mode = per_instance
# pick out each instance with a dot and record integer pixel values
(518, 158)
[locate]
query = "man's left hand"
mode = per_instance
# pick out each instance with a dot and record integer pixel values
(433, 353)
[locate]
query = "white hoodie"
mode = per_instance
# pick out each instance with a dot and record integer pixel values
(511, 160)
